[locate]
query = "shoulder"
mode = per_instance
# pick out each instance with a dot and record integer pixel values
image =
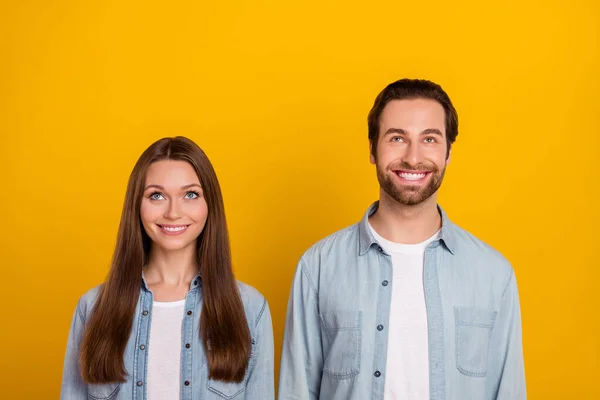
(255, 304)
(87, 301)
(339, 243)
(474, 248)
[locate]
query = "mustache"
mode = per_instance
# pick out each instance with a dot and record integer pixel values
(407, 167)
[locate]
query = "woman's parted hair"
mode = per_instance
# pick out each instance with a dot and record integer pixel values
(223, 326)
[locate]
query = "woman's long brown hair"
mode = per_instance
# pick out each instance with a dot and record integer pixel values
(223, 326)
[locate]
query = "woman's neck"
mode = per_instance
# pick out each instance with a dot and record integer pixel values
(169, 272)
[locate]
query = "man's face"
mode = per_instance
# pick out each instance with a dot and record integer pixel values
(411, 155)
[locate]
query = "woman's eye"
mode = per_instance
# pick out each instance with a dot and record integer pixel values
(156, 196)
(192, 195)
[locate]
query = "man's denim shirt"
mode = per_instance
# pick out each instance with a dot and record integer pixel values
(258, 384)
(335, 342)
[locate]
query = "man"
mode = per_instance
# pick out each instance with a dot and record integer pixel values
(404, 304)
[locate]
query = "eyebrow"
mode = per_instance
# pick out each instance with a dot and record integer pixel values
(182, 188)
(429, 131)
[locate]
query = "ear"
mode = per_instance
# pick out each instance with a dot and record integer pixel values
(371, 157)
(449, 157)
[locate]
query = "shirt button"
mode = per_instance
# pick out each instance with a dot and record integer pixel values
(142, 347)
(380, 249)
(384, 283)
(139, 383)
(145, 312)
(187, 346)
(186, 383)
(195, 283)
(377, 374)
(380, 327)
(189, 312)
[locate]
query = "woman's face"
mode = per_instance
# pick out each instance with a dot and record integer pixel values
(173, 210)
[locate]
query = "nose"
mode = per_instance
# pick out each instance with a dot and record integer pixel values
(413, 155)
(173, 210)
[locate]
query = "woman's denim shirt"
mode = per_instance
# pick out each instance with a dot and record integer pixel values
(258, 384)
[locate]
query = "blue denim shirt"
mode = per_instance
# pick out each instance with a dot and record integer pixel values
(258, 384)
(341, 293)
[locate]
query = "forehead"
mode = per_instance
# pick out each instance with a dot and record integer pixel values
(171, 173)
(413, 115)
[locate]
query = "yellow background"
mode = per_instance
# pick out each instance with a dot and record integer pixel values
(277, 94)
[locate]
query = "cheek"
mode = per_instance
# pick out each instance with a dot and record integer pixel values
(198, 211)
(436, 155)
(386, 156)
(149, 212)
(441, 159)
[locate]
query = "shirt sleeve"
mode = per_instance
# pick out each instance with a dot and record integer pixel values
(73, 387)
(302, 353)
(261, 383)
(507, 379)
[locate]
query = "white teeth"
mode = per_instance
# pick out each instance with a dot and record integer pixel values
(173, 228)
(411, 177)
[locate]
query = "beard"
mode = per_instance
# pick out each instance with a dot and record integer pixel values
(410, 195)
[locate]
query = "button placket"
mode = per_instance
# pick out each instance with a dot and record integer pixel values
(189, 322)
(142, 338)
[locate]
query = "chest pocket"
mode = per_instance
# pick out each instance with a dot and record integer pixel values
(341, 343)
(474, 328)
(103, 391)
(234, 390)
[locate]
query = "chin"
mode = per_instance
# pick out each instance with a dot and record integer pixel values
(172, 246)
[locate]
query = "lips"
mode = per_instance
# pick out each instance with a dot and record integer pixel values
(173, 230)
(412, 176)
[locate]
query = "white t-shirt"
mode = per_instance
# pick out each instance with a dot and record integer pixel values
(164, 351)
(407, 366)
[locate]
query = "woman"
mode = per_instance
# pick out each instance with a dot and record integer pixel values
(171, 322)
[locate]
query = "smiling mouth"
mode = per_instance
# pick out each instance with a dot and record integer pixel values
(412, 176)
(173, 229)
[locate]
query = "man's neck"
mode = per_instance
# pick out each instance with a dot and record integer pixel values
(400, 223)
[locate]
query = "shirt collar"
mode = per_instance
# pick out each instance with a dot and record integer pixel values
(195, 283)
(366, 238)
